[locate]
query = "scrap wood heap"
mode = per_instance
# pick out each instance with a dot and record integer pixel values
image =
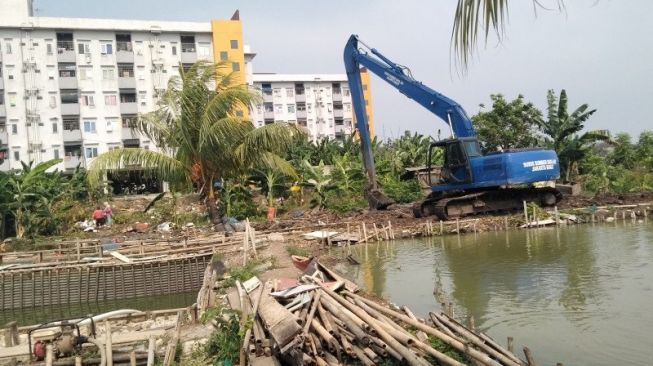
(319, 320)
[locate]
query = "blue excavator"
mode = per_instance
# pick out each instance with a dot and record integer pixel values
(469, 182)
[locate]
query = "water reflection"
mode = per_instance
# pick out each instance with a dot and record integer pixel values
(550, 288)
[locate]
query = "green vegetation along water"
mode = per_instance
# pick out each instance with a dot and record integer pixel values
(41, 314)
(580, 295)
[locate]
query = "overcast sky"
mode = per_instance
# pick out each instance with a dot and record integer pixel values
(599, 50)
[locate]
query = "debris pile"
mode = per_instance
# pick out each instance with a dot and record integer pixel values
(320, 320)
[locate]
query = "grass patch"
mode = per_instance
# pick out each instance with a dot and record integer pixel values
(295, 250)
(439, 345)
(242, 273)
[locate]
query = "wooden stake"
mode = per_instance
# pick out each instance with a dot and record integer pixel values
(525, 212)
(150, 351)
(376, 231)
(364, 233)
(107, 342)
(245, 240)
(557, 215)
(441, 227)
(78, 361)
(457, 226)
(472, 323)
(511, 348)
(529, 357)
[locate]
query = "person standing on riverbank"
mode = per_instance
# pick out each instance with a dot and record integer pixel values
(108, 214)
(99, 216)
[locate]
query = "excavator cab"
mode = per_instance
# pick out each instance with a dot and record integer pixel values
(457, 152)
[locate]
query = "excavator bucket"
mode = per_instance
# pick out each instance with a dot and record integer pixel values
(378, 200)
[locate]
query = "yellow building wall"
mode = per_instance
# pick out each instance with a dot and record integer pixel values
(367, 94)
(223, 32)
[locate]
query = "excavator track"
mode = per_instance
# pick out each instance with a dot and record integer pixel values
(460, 205)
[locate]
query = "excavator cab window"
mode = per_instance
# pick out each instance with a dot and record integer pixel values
(456, 167)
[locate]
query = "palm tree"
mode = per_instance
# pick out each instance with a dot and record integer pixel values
(561, 132)
(474, 16)
(202, 136)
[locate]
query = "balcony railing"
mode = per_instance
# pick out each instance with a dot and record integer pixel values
(124, 46)
(65, 46)
(188, 47)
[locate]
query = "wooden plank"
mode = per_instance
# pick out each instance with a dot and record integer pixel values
(281, 323)
(120, 257)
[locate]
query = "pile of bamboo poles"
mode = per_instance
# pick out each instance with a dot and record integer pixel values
(322, 323)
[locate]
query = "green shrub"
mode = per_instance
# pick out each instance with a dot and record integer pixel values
(402, 191)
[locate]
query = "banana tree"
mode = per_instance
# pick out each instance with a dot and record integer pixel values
(29, 194)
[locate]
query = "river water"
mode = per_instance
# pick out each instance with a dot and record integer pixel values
(580, 295)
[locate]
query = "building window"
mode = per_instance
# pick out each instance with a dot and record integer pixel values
(301, 106)
(345, 92)
(91, 152)
(290, 92)
(224, 56)
(53, 101)
(234, 44)
(124, 42)
(203, 50)
(49, 49)
(267, 88)
(110, 99)
(278, 108)
(269, 107)
(108, 73)
(14, 129)
(276, 92)
(69, 96)
(291, 108)
(70, 124)
(83, 48)
(55, 127)
(67, 70)
(329, 108)
(235, 66)
(11, 97)
(56, 153)
(347, 107)
(2, 98)
(88, 100)
(89, 126)
(126, 70)
(187, 44)
(8, 48)
(85, 73)
(174, 50)
(111, 123)
(17, 155)
(106, 48)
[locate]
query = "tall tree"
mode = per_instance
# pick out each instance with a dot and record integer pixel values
(508, 125)
(201, 134)
(561, 132)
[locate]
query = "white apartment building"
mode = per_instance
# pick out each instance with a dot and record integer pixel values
(319, 102)
(69, 86)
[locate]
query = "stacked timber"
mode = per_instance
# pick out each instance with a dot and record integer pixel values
(319, 321)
